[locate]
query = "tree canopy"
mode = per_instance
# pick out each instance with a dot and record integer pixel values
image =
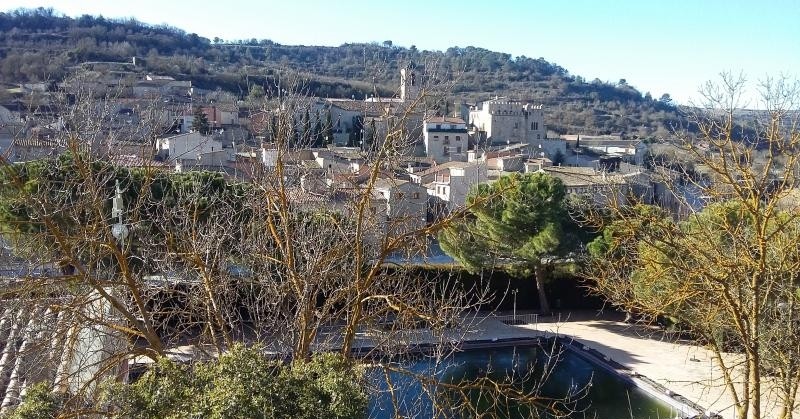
(35, 204)
(518, 223)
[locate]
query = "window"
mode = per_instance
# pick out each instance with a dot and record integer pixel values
(445, 151)
(415, 195)
(400, 195)
(447, 139)
(458, 138)
(458, 149)
(534, 126)
(435, 137)
(538, 136)
(516, 125)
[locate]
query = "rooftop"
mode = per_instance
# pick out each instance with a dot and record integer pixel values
(444, 120)
(367, 108)
(444, 166)
(583, 176)
(388, 183)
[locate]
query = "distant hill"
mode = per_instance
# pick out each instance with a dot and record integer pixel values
(40, 44)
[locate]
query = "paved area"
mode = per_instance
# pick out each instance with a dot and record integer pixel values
(686, 369)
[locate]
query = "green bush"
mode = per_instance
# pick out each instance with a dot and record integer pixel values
(243, 383)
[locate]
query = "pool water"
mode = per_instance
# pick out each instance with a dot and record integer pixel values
(592, 391)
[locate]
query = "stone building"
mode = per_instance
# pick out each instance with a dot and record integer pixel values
(449, 183)
(409, 84)
(506, 121)
(406, 204)
(445, 139)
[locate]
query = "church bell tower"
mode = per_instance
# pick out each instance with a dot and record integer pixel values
(409, 83)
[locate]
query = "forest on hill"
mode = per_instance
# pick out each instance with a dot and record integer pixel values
(41, 44)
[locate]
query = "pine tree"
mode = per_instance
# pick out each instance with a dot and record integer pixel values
(518, 223)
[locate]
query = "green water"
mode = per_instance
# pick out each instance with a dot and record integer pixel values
(593, 391)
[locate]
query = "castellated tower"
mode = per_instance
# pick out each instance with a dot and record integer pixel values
(409, 84)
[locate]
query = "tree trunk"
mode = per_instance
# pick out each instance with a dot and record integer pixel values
(755, 384)
(544, 306)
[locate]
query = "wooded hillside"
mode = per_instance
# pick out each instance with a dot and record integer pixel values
(40, 44)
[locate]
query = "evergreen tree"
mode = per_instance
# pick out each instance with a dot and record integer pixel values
(518, 224)
(317, 132)
(369, 135)
(305, 127)
(200, 122)
(328, 129)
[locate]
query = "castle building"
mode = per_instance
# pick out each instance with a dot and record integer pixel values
(506, 121)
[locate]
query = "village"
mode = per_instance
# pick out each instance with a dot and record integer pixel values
(417, 156)
(442, 158)
(399, 210)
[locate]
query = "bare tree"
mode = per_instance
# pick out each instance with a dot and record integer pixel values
(299, 258)
(725, 265)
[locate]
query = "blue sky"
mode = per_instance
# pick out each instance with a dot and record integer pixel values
(657, 46)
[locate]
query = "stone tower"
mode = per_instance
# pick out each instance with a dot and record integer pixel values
(409, 83)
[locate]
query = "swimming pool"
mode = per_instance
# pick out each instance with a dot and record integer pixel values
(592, 390)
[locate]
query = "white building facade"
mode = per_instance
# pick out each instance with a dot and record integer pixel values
(187, 146)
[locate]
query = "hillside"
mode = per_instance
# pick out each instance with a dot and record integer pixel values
(39, 44)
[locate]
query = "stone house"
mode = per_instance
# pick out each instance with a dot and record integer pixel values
(600, 187)
(406, 204)
(445, 139)
(449, 183)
